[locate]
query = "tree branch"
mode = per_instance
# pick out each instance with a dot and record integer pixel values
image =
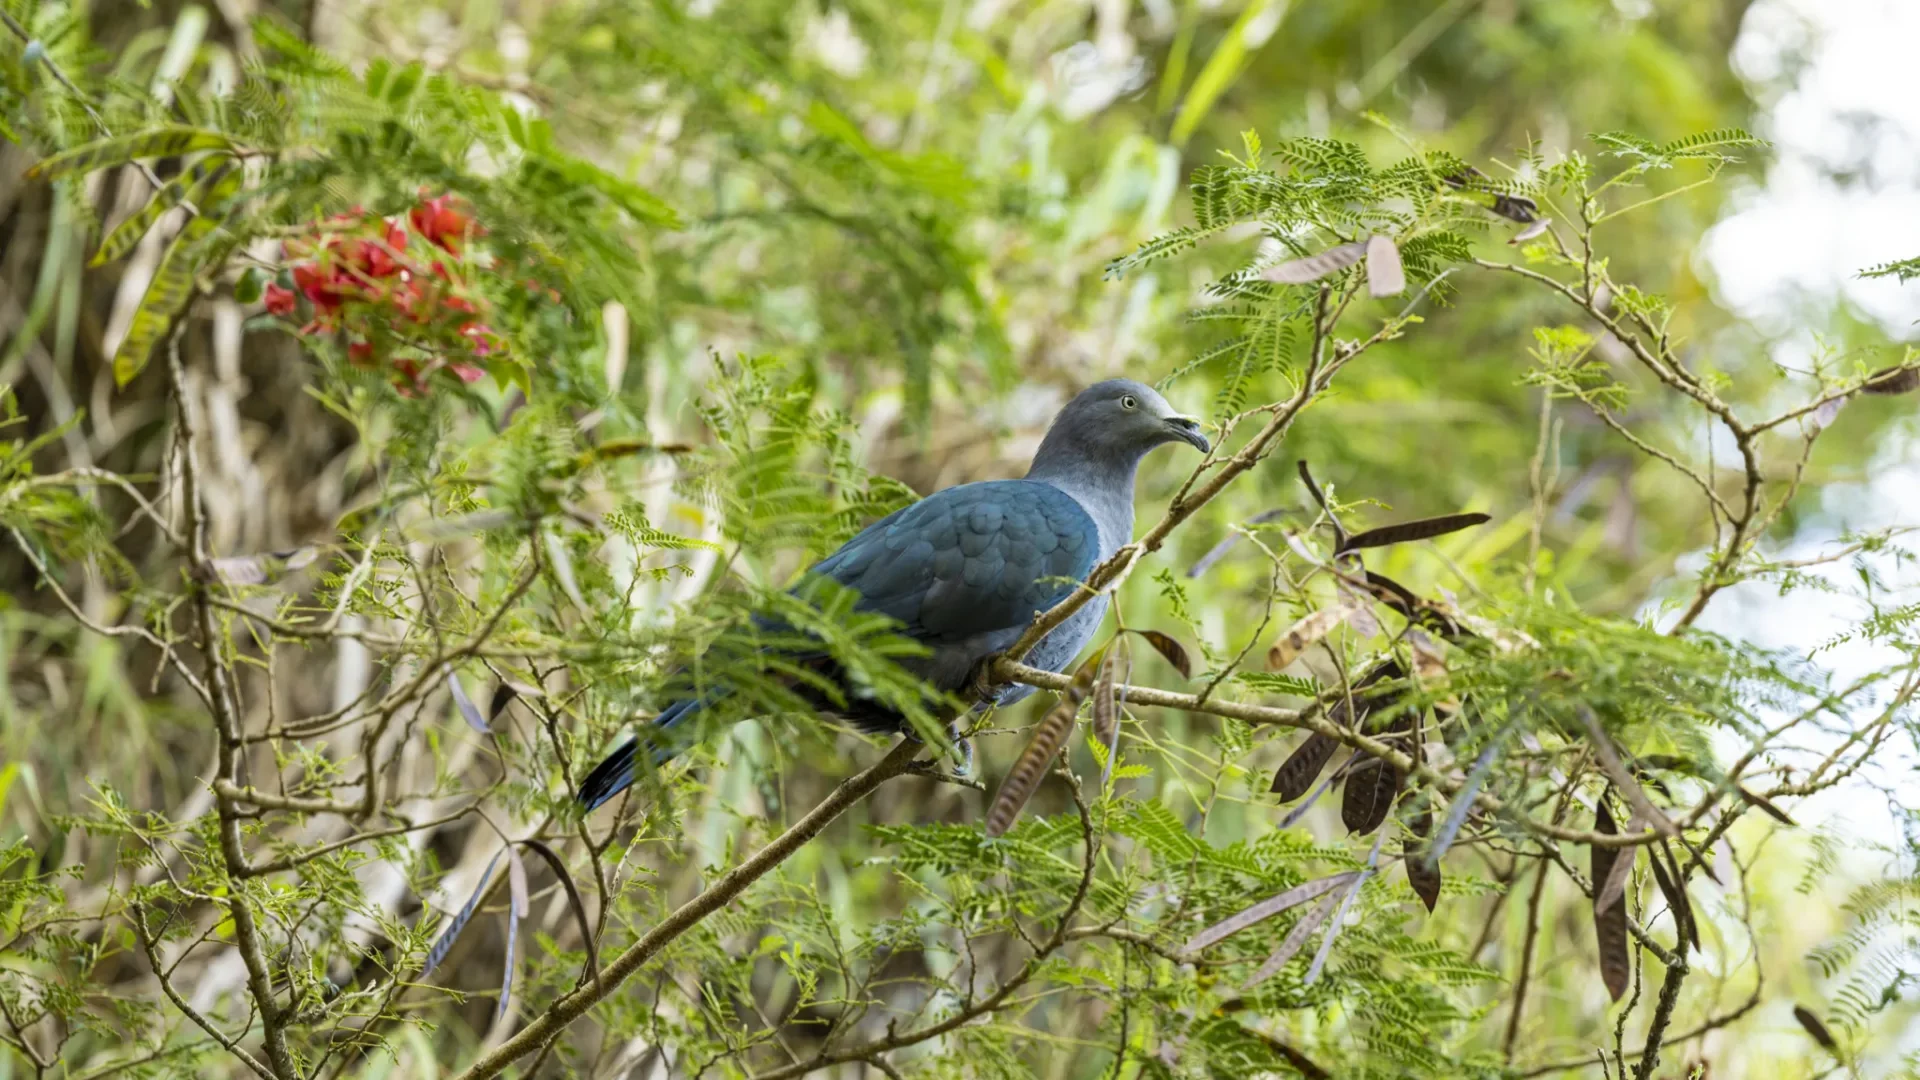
(226, 722)
(1658, 360)
(688, 915)
(1713, 1024)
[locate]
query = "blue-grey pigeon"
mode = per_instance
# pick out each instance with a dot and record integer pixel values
(964, 570)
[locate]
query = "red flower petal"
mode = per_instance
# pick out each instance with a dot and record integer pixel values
(321, 287)
(444, 221)
(480, 337)
(280, 301)
(413, 382)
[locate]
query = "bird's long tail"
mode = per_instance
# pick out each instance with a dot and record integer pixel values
(615, 774)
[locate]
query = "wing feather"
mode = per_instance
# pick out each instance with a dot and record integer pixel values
(969, 560)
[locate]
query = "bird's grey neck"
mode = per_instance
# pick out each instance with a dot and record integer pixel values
(1101, 484)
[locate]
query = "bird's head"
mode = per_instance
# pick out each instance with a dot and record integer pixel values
(1121, 418)
(1097, 441)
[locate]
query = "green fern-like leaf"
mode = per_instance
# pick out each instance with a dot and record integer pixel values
(104, 153)
(1625, 144)
(1154, 824)
(1904, 269)
(1276, 683)
(190, 186)
(1707, 144)
(294, 52)
(637, 202)
(1160, 247)
(1212, 194)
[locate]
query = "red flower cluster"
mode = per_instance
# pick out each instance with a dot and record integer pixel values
(393, 299)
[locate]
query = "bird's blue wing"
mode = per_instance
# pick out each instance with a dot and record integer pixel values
(970, 559)
(967, 561)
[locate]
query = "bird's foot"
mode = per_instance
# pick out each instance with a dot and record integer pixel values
(980, 684)
(962, 753)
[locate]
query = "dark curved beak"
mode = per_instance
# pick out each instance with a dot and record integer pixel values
(1187, 430)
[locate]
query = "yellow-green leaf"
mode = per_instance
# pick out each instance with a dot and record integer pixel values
(199, 244)
(1256, 24)
(404, 80)
(188, 186)
(162, 142)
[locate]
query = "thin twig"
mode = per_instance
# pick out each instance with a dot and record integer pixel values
(86, 103)
(1526, 961)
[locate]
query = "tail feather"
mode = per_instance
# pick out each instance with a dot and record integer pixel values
(610, 777)
(616, 773)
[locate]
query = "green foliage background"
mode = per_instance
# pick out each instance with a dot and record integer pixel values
(809, 261)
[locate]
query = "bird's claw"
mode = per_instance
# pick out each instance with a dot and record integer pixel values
(981, 685)
(961, 744)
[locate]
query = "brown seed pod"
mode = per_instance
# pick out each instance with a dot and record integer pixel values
(1024, 778)
(1892, 380)
(1385, 274)
(1425, 879)
(1175, 652)
(1409, 531)
(1610, 922)
(1106, 711)
(1815, 1028)
(1302, 635)
(1371, 789)
(1297, 774)
(1051, 734)
(1302, 767)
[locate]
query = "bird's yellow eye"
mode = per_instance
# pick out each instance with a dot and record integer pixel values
(1129, 403)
